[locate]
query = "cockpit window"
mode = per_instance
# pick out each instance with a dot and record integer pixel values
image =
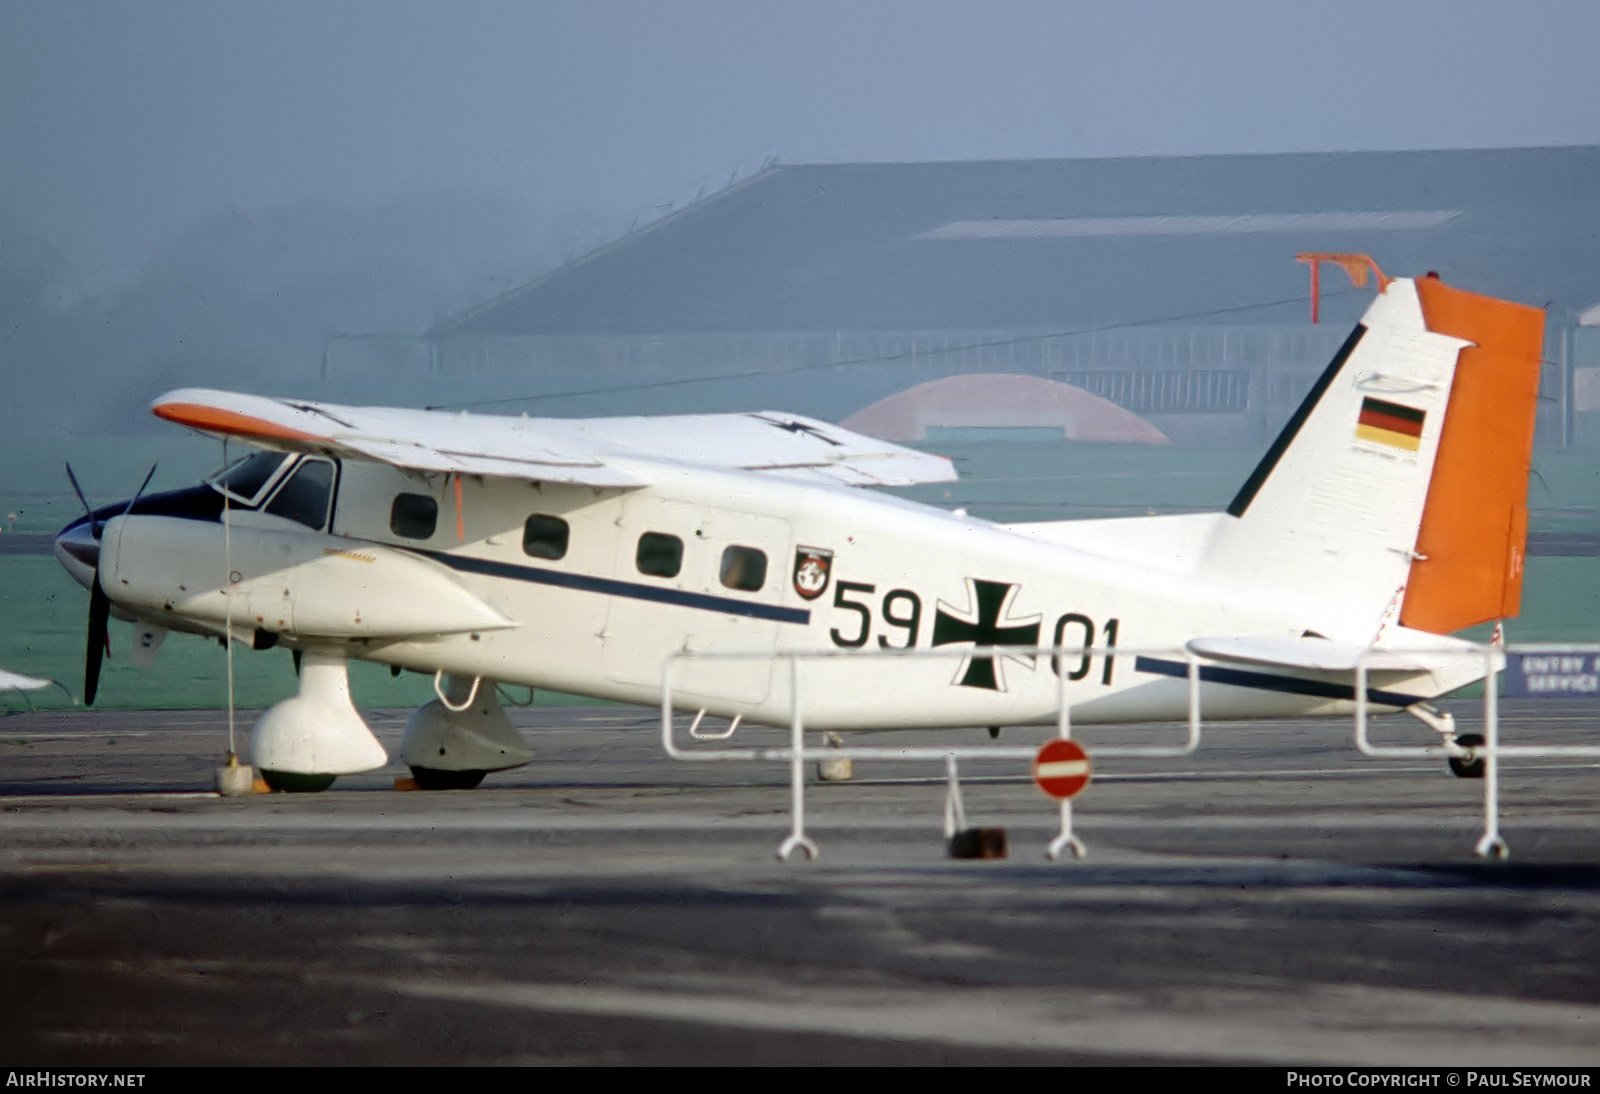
(304, 498)
(243, 480)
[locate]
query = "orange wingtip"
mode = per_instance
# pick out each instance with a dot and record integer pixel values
(215, 420)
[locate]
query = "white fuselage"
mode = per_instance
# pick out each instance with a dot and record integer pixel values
(594, 622)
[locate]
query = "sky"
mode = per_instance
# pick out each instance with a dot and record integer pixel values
(125, 123)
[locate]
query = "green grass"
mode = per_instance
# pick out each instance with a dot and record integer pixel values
(1560, 602)
(1012, 481)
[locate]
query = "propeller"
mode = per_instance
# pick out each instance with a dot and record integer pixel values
(137, 494)
(97, 641)
(98, 646)
(94, 525)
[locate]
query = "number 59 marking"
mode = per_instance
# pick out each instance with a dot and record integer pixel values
(901, 608)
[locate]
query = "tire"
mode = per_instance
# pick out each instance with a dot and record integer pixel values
(431, 778)
(292, 782)
(1462, 769)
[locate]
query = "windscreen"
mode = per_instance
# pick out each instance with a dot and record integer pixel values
(304, 498)
(243, 479)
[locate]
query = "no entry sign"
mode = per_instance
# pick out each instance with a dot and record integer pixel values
(1061, 768)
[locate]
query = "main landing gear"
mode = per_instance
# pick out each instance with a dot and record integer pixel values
(452, 742)
(303, 743)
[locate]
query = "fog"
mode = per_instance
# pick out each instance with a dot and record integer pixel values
(194, 192)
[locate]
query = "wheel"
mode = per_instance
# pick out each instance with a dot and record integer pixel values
(1463, 769)
(292, 782)
(431, 778)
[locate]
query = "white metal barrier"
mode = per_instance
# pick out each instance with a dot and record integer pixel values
(1490, 844)
(797, 755)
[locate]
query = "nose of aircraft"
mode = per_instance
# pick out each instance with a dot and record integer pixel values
(78, 550)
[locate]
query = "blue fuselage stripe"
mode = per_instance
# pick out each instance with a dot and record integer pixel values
(1265, 681)
(611, 587)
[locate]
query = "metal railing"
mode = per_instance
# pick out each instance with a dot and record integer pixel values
(1491, 843)
(797, 755)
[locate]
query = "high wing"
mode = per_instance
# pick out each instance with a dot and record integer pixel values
(585, 451)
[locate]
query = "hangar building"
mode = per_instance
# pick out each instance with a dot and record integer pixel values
(1168, 286)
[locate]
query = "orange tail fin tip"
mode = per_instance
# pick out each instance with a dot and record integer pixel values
(1474, 530)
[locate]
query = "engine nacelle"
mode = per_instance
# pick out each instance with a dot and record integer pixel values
(285, 582)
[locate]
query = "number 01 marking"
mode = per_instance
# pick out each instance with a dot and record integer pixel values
(1083, 638)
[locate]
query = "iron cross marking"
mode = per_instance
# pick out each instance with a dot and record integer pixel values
(991, 602)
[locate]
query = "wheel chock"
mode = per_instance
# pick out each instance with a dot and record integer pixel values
(234, 779)
(978, 843)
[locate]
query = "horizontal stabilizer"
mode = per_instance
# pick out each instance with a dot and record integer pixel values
(1309, 655)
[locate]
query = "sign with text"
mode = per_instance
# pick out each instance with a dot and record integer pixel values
(1554, 673)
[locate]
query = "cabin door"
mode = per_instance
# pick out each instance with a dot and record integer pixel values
(699, 579)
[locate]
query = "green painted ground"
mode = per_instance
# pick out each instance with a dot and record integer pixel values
(43, 610)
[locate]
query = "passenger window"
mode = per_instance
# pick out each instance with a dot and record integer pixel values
(413, 516)
(744, 568)
(659, 555)
(545, 536)
(304, 498)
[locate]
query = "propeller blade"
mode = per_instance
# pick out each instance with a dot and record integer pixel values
(94, 525)
(99, 640)
(139, 492)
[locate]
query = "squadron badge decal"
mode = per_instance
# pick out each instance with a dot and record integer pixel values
(812, 568)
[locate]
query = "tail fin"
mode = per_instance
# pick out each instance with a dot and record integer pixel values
(1402, 478)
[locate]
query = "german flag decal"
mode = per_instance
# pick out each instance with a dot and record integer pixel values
(1391, 424)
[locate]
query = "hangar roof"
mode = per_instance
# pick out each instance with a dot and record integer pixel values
(1075, 243)
(1005, 400)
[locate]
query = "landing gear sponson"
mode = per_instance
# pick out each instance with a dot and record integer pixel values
(305, 742)
(452, 742)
